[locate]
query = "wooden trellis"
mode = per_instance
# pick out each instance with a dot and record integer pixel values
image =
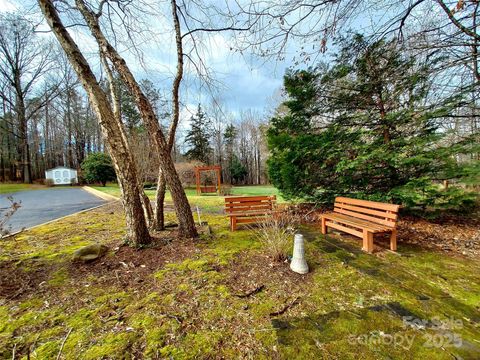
(208, 189)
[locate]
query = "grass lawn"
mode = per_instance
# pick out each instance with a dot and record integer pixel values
(256, 190)
(6, 188)
(188, 299)
(209, 203)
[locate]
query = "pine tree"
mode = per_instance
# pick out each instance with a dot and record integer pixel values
(236, 170)
(198, 138)
(229, 137)
(363, 127)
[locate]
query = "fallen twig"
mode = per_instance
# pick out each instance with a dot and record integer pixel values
(285, 308)
(253, 292)
(63, 343)
(176, 317)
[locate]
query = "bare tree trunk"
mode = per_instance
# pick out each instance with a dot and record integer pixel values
(182, 207)
(24, 146)
(137, 230)
(159, 217)
(146, 204)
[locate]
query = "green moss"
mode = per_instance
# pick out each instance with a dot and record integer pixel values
(201, 343)
(154, 340)
(189, 311)
(117, 299)
(112, 345)
(58, 278)
(48, 350)
(263, 306)
(4, 317)
(76, 342)
(189, 265)
(83, 318)
(183, 287)
(31, 303)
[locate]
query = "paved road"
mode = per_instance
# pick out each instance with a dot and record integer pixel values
(39, 206)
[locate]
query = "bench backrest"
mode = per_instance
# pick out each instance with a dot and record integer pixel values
(242, 204)
(373, 211)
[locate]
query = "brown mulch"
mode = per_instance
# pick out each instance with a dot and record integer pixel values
(16, 282)
(450, 235)
(258, 273)
(126, 267)
(129, 267)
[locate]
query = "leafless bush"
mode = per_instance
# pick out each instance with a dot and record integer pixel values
(225, 190)
(276, 234)
(6, 214)
(48, 182)
(186, 172)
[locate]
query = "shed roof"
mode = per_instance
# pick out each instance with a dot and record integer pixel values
(61, 167)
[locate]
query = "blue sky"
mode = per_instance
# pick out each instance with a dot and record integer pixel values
(241, 82)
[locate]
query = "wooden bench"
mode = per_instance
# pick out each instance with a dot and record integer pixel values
(248, 209)
(363, 219)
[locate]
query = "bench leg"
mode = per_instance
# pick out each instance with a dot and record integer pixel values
(393, 240)
(367, 241)
(324, 226)
(233, 223)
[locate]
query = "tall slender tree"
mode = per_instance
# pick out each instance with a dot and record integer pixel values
(24, 59)
(137, 231)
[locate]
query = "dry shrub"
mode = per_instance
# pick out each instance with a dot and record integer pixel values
(276, 234)
(48, 182)
(5, 214)
(186, 172)
(225, 190)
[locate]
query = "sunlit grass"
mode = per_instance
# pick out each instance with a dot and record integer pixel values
(207, 202)
(14, 187)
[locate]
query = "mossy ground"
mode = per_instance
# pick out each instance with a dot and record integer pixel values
(186, 299)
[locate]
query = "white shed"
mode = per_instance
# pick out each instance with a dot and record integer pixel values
(62, 175)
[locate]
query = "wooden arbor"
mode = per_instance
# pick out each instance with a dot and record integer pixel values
(208, 189)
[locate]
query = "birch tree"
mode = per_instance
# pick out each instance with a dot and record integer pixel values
(137, 231)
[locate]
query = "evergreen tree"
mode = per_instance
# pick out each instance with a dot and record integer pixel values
(236, 170)
(229, 137)
(364, 127)
(98, 167)
(198, 138)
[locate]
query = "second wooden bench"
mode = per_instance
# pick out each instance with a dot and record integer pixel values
(249, 209)
(363, 218)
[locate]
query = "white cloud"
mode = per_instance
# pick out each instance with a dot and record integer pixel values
(7, 6)
(243, 85)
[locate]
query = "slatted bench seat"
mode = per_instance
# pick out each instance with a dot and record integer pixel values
(363, 219)
(249, 209)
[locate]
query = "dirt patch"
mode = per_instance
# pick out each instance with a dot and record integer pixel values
(460, 236)
(249, 275)
(122, 266)
(16, 282)
(128, 267)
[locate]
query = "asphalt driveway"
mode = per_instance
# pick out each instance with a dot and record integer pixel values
(39, 206)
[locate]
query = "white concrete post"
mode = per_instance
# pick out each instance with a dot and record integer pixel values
(299, 264)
